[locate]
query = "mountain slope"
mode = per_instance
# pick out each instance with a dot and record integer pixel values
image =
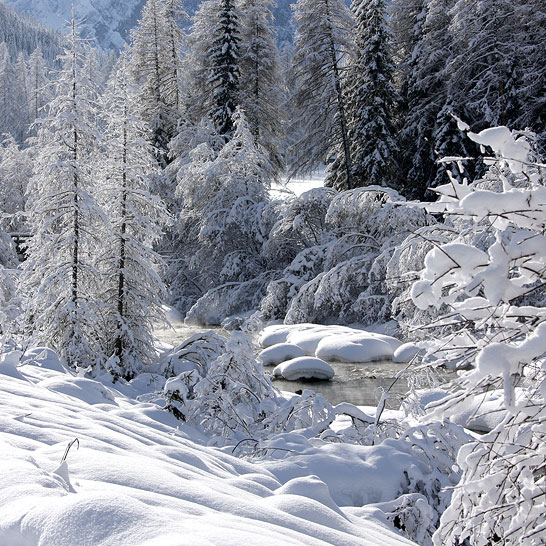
(105, 21)
(109, 23)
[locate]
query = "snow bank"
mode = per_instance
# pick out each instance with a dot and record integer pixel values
(304, 367)
(333, 343)
(141, 477)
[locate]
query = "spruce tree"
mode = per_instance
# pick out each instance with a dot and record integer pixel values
(261, 82)
(323, 43)
(156, 68)
(372, 97)
(427, 92)
(225, 73)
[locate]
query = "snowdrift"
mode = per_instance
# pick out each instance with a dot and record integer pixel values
(140, 477)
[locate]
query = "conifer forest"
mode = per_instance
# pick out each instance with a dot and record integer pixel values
(273, 272)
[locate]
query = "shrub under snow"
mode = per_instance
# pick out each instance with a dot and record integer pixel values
(494, 294)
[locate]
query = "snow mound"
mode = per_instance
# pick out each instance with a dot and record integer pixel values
(334, 343)
(87, 390)
(352, 349)
(45, 358)
(405, 353)
(311, 487)
(304, 367)
(277, 333)
(280, 353)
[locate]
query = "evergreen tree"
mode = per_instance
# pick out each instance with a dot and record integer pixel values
(225, 73)
(38, 89)
(20, 99)
(406, 20)
(373, 96)
(486, 68)
(153, 45)
(58, 280)
(15, 171)
(323, 40)
(261, 78)
(133, 290)
(197, 63)
(7, 76)
(427, 92)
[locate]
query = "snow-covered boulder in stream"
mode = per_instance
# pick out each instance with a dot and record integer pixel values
(280, 353)
(305, 367)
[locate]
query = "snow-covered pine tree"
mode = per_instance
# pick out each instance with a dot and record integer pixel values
(58, 281)
(486, 70)
(153, 44)
(406, 20)
(37, 80)
(132, 289)
(261, 82)
(323, 41)
(372, 97)
(172, 82)
(20, 99)
(197, 63)
(7, 75)
(225, 73)
(15, 171)
(427, 92)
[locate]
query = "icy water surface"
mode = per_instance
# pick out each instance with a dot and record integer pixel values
(359, 384)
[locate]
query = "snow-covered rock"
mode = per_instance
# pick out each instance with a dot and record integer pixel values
(305, 367)
(351, 349)
(280, 353)
(334, 343)
(405, 353)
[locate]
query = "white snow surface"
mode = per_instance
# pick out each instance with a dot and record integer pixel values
(297, 185)
(139, 477)
(304, 367)
(333, 343)
(280, 353)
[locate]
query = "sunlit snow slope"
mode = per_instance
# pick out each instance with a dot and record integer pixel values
(106, 21)
(138, 478)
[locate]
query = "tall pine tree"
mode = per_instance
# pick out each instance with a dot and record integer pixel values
(59, 281)
(261, 82)
(372, 97)
(225, 72)
(156, 46)
(132, 289)
(323, 41)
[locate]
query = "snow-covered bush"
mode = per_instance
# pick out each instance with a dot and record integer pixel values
(492, 280)
(365, 224)
(227, 396)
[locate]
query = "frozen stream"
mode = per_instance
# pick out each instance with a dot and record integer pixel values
(359, 384)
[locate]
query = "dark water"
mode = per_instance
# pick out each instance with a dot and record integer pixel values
(359, 384)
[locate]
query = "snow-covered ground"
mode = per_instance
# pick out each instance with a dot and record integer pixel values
(140, 478)
(298, 185)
